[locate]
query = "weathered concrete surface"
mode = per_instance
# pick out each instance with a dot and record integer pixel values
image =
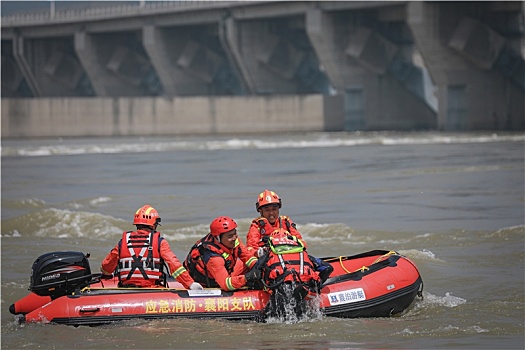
(75, 117)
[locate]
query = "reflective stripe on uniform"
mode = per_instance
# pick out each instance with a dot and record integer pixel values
(178, 272)
(126, 263)
(250, 261)
(229, 283)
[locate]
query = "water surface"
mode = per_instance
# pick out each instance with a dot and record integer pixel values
(452, 203)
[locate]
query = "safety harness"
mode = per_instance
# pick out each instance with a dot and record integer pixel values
(199, 256)
(287, 261)
(146, 262)
(265, 228)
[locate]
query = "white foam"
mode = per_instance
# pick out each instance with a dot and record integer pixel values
(424, 254)
(310, 140)
(14, 233)
(63, 223)
(99, 200)
(33, 202)
(448, 300)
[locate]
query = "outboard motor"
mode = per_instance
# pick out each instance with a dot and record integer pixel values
(59, 273)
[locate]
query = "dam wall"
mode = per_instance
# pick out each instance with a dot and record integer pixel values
(148, 116)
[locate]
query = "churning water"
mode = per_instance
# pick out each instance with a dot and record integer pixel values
(452, 203)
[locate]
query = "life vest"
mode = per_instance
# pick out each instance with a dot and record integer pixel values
(287, 261)
(265, 228)
(139, 257)
(200, 255)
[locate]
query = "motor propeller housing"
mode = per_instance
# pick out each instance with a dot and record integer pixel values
(59, 273)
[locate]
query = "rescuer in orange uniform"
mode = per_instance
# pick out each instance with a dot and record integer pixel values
(211, 261)
(139, 257)
(268, 205)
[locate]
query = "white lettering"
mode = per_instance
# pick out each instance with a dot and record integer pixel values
(45, 278)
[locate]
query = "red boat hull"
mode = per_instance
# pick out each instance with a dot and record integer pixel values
(372, 284)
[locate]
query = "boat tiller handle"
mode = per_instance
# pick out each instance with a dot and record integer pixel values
(93, 309)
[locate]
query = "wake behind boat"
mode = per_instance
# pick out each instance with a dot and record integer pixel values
(63, 291)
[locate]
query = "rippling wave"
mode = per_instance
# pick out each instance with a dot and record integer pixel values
(140, 145)
(452, 203)
(77, 220)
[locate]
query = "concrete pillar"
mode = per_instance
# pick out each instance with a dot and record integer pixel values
(112, 66)
(228, 34)
(25, 67)
(49, 63)
(160, 59)
(460, 53)
(85, 47)
(321, 32)
(360, 63)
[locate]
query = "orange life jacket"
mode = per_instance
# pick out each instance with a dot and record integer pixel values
(265, 228)
(200, 254)
(139, 257)
(287, 261)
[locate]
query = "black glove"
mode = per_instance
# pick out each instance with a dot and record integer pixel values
(253, 275)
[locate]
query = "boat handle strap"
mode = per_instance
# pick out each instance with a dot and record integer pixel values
(94, 309)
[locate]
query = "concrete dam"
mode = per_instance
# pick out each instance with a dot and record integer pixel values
(223, 67)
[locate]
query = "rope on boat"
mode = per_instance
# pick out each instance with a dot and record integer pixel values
(365, 268)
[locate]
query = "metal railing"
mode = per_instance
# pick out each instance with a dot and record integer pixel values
(116, 11)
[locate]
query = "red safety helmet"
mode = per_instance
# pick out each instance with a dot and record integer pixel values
(267, 197)
(146, 215)
(222, 224)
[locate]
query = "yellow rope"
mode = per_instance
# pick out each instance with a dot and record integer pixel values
(384, 256)
(365, 268)
(343, 266)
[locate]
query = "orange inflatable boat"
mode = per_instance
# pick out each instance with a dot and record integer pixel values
(63, 291)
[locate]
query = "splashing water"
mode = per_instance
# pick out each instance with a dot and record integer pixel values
(286, 308)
